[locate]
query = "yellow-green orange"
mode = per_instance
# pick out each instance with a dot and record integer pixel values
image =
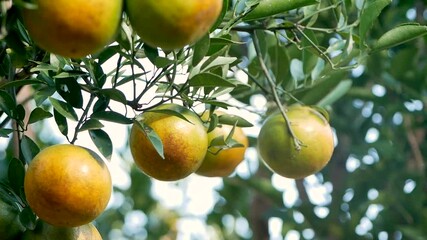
(184, 143)
(277, 149)
(172, 24)
(10, 225)
(222, 162)
(67, 185)
(73, 28)
(46, 231)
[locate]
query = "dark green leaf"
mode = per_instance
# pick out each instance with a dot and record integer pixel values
(70, 91)
(29, 149)
(101, 104)
(153, 137)
(61, 122)
(111, 117)
(114, 94)
(28, 218)
(16, 174)
(19, 83)
(102, 142)
(201, 48)
(151, 53)
(38, 114)
(7, 104)
(4, 132)
(209, 80)
(63, 108)
(91, 124)
(19, 113)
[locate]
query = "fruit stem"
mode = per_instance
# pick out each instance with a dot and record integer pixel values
(298, 144)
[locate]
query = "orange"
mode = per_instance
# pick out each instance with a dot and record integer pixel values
(73, 28)
(221, 162)
(278, 151)
(184, 143)
(172, 24)
(67, 185)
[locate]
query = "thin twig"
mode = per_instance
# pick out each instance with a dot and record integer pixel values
(270, 81)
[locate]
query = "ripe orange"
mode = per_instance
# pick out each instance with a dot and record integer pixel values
(45, 231)
(220, 162)
(172, 24)
(184, 143)
(67, 185)
(277, 149)
(73, 28)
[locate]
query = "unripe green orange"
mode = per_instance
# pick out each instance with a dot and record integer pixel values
(278, 151)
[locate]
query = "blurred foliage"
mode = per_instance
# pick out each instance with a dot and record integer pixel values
(364, 61)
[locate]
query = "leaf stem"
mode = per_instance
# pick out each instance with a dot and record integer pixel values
(276, 98)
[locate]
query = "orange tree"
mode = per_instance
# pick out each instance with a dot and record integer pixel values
(362, 61)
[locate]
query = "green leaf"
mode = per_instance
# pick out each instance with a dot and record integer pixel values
(162, 62)
(28, 218)
(38, 114)
(399, 35)
(70, 74)
(70, 91)
(336, 93)
(4, 132)
(19, 83)
(171, 112)
(217, 103)
(151, 53)
(209, 80)
(63, 108)
(91, 124)
(114, 94)
(230, 119)
(153, 137)
(201, 48)
(7, 104)
(267, 8)
(19, 113)
(16, 174)
(61, 122)
(102, 142)
(29, 148)
(111, 117)
(369, 15)
(213, 122)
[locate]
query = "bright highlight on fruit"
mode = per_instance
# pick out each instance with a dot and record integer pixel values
(184, 142)
(67, 185)
(73, 28)
(277, 148)
(172, 24)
